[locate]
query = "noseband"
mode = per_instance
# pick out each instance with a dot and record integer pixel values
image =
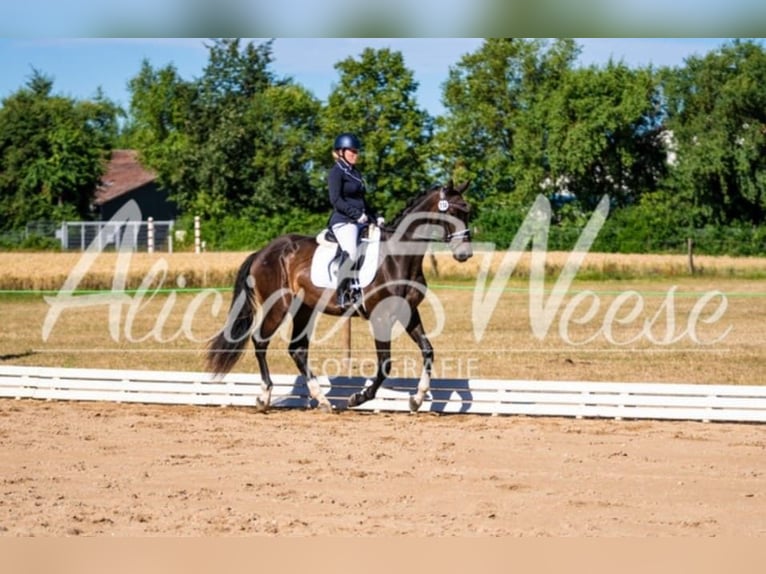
(464, 235)
(444, 206)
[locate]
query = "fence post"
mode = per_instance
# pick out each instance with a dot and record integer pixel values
(150, 235)
(434, 263)
(690, 251)
(196, 234)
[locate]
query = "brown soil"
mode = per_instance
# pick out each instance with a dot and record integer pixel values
(96, 469)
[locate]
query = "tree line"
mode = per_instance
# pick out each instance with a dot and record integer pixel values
(681, 151)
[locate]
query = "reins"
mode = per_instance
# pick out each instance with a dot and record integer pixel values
(444, 206)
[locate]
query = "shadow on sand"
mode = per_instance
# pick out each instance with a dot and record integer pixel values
(443, 391)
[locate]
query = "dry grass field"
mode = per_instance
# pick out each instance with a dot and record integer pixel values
(49, 271)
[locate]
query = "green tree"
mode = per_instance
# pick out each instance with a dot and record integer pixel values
(716, 108)
(486, 95)
(222, 142)
(234, 141)
(523, 120)
(53, 151)
(159, 126)
(287, 117)
(375, 99)
(601, 133)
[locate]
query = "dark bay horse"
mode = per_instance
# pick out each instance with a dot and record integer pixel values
(275, 282)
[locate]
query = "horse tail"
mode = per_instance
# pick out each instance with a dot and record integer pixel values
(225, 348)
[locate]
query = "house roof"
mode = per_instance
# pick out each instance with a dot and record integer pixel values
(124, 173)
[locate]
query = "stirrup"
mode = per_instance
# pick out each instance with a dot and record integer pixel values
(348, 297)
(342, 296)
(355, 295)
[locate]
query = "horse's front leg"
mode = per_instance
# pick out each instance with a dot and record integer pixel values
(383, 351)
(417, 333)
(267, 326)
(303, 324)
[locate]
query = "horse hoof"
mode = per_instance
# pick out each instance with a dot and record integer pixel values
(261, 406)
(414, 405)
(324, 407)
(356, 399)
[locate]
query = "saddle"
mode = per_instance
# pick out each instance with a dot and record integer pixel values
(328, 235)
(324, 263)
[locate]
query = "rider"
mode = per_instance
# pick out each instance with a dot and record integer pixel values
(351, 212)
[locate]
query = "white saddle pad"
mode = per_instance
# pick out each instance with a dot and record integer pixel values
(324, 265)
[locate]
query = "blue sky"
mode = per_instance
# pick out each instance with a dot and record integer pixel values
(79, 66)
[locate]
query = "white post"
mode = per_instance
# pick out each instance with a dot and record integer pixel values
(150, 235)
(197, 248)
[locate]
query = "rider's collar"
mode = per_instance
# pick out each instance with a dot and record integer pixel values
(344, 165)
(349, 170)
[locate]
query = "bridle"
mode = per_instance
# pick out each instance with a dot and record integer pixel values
(464, 235)
(444, 206)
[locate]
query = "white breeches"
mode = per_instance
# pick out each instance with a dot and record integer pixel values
(347, 235)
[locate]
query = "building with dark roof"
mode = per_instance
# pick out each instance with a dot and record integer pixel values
(126, 179)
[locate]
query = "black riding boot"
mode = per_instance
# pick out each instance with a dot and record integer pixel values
(343, 296)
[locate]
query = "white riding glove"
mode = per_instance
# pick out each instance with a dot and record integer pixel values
(362, 219)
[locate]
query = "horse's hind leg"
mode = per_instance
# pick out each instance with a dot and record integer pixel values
(417, 333)
(299, 351)
(263, 402)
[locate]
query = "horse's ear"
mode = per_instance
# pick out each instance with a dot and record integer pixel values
(450, 185)
(463, 187)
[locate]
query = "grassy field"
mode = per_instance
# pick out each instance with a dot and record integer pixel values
(655, 324)
(49, 271)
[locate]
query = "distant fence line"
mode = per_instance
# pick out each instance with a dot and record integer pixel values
(736, 241)
(149, 235)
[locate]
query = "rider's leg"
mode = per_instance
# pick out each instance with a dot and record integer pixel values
(346, 234)
(344, 280)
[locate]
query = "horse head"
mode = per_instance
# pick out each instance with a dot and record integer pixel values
(453, 210)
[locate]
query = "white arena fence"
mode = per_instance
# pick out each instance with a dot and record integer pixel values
(149, 235)
(734, 403)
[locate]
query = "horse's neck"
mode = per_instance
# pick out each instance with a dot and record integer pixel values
(411, 220)
(405, 247)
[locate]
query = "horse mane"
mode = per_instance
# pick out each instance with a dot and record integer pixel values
(412, 203)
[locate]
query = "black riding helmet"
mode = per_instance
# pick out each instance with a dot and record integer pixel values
(347, 141)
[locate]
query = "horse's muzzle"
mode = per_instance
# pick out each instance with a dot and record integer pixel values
(462, 252)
